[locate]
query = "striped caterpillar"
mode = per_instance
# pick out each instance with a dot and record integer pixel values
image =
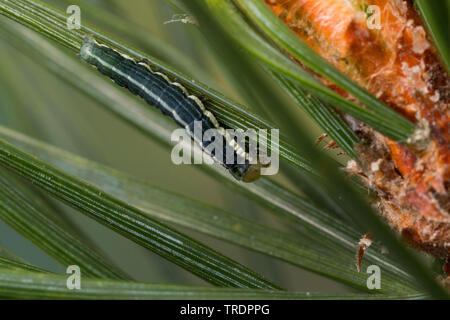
(171, 98)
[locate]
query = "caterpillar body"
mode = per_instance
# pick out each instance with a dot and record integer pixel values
(171, 98)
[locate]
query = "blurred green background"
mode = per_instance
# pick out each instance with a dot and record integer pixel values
(37, 103)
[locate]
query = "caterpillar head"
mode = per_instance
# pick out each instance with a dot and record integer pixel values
(253, 172)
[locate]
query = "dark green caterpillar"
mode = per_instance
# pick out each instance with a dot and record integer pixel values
(169, 97)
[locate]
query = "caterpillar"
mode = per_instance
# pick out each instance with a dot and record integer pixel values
(171, 98)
